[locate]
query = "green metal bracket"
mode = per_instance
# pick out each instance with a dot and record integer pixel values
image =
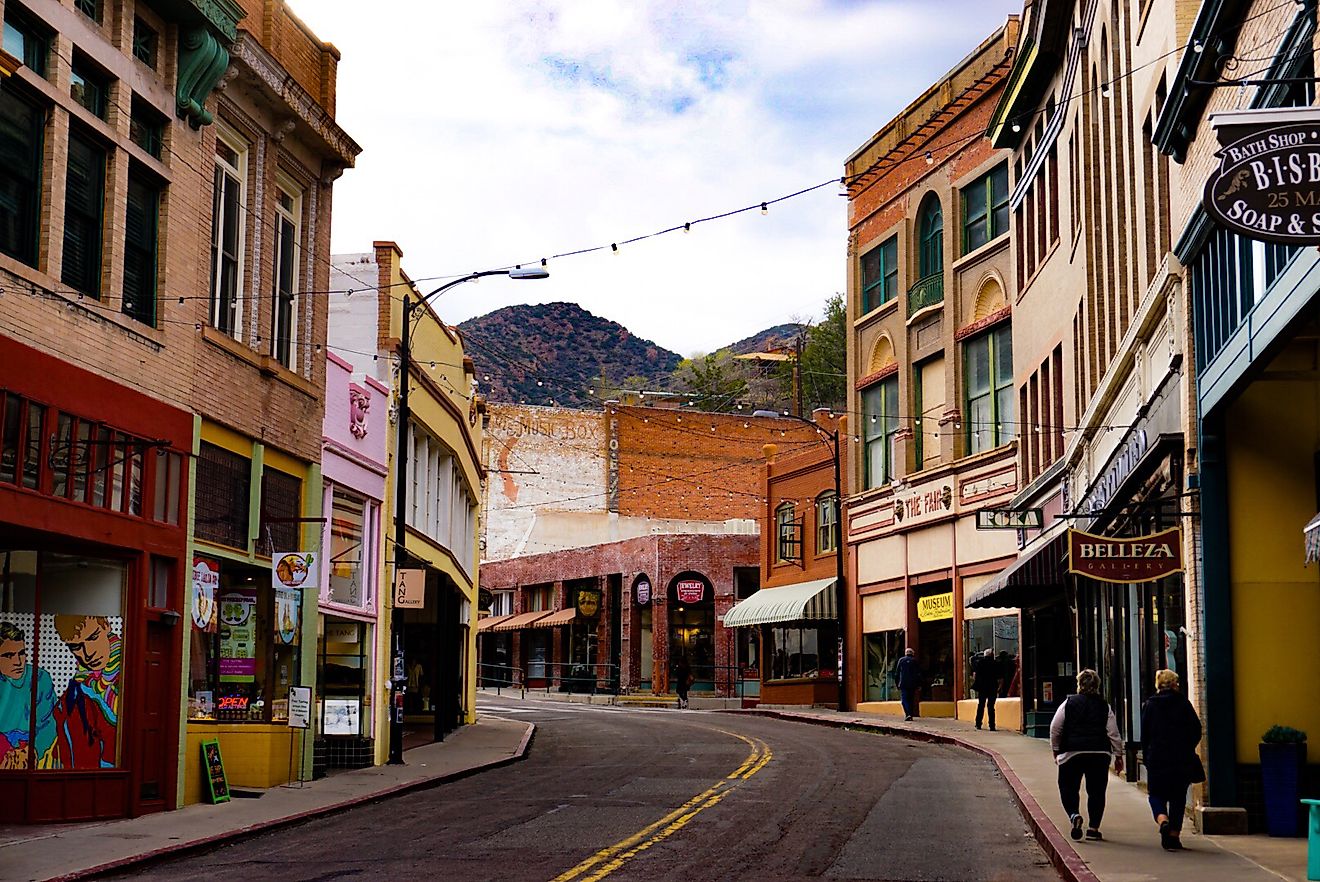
(202, 62)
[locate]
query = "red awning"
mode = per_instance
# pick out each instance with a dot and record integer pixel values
(554, 620)
(491, 621)
(523, 620)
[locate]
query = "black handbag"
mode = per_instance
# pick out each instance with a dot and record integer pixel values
(1195, 771)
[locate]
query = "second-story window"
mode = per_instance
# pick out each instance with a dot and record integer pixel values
(880, 274)
(26, 42)
(140, 226)
(84, 197)
(879, 426)
(827, 523)
(89, 8)
(985, 209)
(988, 360)
(88, 88)
(21, 127)
(227, 227)
(930, 237)
(787, 543)
(145, 43)
(284, 321)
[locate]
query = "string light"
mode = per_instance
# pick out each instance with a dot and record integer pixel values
(930, 159)
(764, 209)
(614, 247)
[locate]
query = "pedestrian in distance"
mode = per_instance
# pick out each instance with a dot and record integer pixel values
(985, 683)
(1170, 731)
(1084, 736)
(683, 680)
(908, 674)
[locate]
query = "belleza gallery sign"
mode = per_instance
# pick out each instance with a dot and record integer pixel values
(1267, 186)
(1139, 559)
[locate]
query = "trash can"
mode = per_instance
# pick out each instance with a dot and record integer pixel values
(1313, 839)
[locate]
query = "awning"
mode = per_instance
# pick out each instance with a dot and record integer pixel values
(523, 620)
(1312, 533)
(805, 601)
(1032, 578)
(554, 620)
(490, 621)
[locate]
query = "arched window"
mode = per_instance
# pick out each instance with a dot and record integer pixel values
(827, 523)
(930, 237)
(788, 542)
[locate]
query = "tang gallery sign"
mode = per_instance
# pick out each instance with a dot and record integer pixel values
(1267, 185)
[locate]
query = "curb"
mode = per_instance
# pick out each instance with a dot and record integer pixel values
(208, 843)
(1063, 856)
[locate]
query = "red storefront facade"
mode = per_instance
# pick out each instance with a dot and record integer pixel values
(93, 541)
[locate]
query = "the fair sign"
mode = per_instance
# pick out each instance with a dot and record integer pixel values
(1267, 186)
(690, 590)
(1126, 561)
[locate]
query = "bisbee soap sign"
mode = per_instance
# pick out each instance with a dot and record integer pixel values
(1267, 186)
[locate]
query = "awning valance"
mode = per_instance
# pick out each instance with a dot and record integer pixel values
(1032, 578)
(522, 620)
(805, 601)
(554, 620)
(490, 621)
(1312, 533)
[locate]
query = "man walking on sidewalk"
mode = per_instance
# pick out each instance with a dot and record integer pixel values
(985, 683)
(909, 681)
(1083, 736)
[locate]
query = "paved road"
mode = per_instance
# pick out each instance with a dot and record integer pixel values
(663, 794)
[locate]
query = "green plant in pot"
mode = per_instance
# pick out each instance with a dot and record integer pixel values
(1282, 764)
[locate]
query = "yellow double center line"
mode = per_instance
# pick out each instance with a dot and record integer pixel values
(610, 858)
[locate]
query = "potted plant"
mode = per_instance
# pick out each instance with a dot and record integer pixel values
(1282, 762)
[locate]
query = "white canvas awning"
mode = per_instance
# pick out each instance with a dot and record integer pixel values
(1312, 533)
(805, 601)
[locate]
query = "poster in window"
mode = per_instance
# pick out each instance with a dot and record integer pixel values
(205, 584)
(341, 717)
(238, 635)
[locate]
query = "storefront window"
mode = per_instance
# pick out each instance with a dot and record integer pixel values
(1000, 635)
(883, 650)
(803, 651)
(350, 557)
(245, 655)
(61, 642)
(342, 671)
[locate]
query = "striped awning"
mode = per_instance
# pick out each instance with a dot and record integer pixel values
(1312, 533)
(522, 620)
(805, 601)
(490, 621)
(1035, 577)
(554, 620)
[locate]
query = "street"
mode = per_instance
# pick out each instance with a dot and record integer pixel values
(660, 794)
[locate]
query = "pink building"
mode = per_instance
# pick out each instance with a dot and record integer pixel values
(350, 694)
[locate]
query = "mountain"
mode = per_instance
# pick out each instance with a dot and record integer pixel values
(564, 348)
(771, 339)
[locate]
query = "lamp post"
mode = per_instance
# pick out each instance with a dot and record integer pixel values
(840, 591)
(404, 417)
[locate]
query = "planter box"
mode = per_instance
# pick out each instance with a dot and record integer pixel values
(1281, 768)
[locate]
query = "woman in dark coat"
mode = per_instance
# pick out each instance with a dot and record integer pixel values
(1170, 731)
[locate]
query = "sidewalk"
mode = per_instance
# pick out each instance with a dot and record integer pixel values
(1131, 850)
(82, 851)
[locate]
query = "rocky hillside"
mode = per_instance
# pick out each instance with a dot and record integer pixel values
(778, 338)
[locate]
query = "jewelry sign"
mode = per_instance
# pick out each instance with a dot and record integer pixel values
(1267, 186)
(1126, 561)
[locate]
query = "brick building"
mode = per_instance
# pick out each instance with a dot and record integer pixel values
(648, 513)
(930, 363)
(123, 277)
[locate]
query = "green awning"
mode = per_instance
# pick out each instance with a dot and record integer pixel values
(805, 601)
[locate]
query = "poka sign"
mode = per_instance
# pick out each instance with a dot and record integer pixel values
(1268, 183)
(1139, 559)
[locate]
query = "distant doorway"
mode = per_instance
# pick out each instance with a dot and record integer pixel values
(692, 629)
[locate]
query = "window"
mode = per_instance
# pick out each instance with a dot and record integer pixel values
(883, 650)
(803, 651)
(83, 199)
(827, 523)
(281, 507)
(880, 424)
(146, 42)
(930, 232)
(23, 41)
(880, 274)
(351, 557)
(146, 128)
(985, 209)
(284, 321)
(227, 231)
(989, 365)
(88, 88)
(140, 248)
(224, 485)
(1000, 635)
(89, 8)
(21, 126)
(788, 542)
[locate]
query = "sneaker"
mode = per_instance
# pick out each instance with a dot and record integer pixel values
(907, 719)
(1094, 836)
(1076, 831)
(1166, 841)
(993, 729)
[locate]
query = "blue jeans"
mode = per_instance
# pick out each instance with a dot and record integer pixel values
(1173, 806)
(910, 705)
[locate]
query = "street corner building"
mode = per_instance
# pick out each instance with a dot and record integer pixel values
(433, 654)
(171, 168)
(939, 420)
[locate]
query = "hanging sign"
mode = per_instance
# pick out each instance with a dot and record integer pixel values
(1267, 186)
(1139, 559)
(690, 590)
(410, 589)
(205, 584)
(588, 602)
(642, 591)
(1010, 519)
(935, 607)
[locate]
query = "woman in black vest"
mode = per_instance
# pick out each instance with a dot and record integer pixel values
(1083, 736)
(1170, 731)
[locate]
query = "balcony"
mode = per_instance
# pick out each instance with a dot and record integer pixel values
(926, 292)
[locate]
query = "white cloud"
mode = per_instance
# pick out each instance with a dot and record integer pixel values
(503, 132)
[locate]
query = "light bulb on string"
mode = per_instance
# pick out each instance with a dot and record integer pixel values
(614, 247)
(930, 159)
(687, 226)
(764, 209)
(1017, 126)
(1104, 90)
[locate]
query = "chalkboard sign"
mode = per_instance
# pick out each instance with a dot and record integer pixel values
(214, 769)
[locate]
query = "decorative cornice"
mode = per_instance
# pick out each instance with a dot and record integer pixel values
(977, 327)
(871, 379)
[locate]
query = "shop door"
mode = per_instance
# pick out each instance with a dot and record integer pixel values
(647, 651)
(154, 759)
(692, 634)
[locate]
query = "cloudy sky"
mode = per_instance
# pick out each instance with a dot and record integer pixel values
(502, 132)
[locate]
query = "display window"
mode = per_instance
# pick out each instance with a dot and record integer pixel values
(352, 561)
(999, 634)
(61, 660)
(244, 657)
(343, 671)
(803, 650)
(883, 650)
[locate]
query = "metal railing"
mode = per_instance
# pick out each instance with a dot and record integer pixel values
(926, 292)
(603, 678)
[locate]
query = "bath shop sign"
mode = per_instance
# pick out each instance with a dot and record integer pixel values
(1268, 183)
